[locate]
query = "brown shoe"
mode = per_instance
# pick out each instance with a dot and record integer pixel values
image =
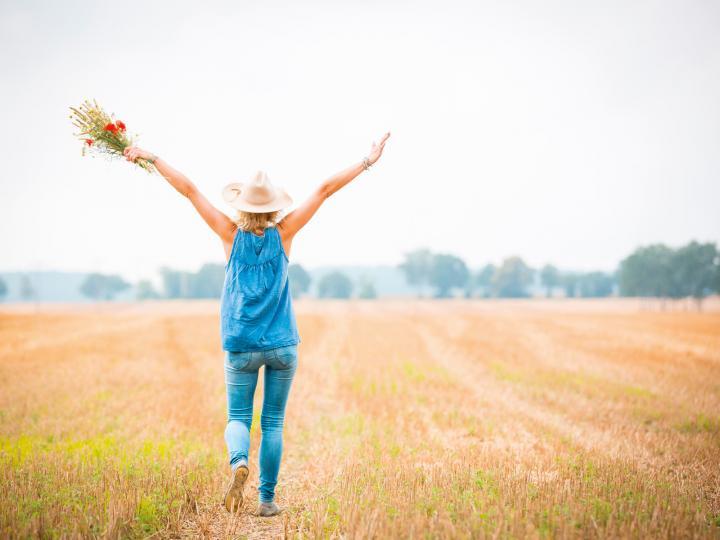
(268, 509)
(234, 494)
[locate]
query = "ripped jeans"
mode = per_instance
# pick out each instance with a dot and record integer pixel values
(241, 376)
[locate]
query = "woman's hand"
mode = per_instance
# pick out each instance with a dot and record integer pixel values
(377, 149)
(132, 153)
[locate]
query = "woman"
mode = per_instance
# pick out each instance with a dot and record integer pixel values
(257, 321)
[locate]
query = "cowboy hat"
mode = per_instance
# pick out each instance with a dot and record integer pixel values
(256, 196)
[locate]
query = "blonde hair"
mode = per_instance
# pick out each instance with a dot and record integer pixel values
(252, 221)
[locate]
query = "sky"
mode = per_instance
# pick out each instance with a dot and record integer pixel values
(565, 132)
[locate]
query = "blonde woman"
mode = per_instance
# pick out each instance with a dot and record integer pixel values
(257, 321)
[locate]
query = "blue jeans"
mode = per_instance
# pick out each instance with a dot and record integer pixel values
(241, 375)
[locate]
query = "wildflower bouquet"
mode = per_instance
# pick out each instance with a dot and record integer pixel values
(101, 133)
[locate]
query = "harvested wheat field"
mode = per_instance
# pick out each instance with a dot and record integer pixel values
(418, 419)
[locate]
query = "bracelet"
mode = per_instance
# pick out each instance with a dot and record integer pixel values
(152, 158)
(366, 163)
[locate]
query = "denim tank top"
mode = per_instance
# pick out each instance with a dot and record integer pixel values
(256, 310)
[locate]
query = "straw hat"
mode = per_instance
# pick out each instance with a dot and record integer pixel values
(257, 195)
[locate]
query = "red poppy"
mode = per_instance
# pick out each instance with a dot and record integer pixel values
(112, 128)
(120, 124)
(89, 142)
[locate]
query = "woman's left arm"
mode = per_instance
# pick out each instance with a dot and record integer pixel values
(299, 217)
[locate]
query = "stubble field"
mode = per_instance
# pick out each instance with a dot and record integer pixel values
(417, 419)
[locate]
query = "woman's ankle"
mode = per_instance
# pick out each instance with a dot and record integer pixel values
(238, 463)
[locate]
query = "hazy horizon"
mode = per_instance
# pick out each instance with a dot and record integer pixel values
(561, 132)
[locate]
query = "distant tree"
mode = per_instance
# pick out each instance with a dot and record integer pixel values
(512, 278)
(569, 281)
(102, 287)
(595, 284)
(335, 285)
(648, 272)
(299, 280)
(550, 278)
(417, 267)
(3, 289)
(180, 284)
(691, 271)
(367, 289)
(93, 286)
(174, 283)
(146, 290)
(447, 272)
(27, 291)
(484, 279)
(694, 269)
(207, 282)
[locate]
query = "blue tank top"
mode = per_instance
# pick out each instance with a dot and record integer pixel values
(256, 310)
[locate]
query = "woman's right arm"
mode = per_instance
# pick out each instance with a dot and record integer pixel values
(217, 220)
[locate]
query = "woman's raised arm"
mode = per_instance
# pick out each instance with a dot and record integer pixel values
(218, 221)
(299, 217)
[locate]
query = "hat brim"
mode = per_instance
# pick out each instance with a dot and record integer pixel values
(281, 200)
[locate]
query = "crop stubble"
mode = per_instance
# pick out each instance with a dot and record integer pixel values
(452, 419)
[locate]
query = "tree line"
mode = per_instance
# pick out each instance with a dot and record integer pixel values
(334, 284)
(658, 271)
(444, 274)
(690, 271)
(208, 282)
(27, 290)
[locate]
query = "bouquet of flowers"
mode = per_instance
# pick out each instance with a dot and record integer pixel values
(101, 133)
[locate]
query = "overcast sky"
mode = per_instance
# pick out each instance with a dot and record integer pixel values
(568, 132)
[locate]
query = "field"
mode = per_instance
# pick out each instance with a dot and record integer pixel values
(422, 419)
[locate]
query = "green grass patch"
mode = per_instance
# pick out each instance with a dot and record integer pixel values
(701, 423)
(504, 373)
(583, 383)
(153, 511)
(62, 484)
